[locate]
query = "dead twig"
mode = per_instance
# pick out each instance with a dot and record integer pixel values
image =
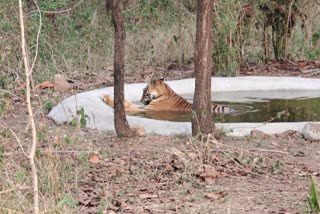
(13, 189)
(5, 91)
(218, 144)
(270, 151)
(16, 137)
(28, 73)
(58, 11)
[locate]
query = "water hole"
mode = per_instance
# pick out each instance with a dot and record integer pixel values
(254, 109)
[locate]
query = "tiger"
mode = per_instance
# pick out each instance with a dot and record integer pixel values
(158, 96)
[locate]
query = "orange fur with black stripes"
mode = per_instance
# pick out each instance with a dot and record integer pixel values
(158, 96)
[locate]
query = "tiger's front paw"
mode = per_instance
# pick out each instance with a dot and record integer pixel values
(108, 100)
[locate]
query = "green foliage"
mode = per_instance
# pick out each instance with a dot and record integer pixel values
(20, 176)
(2, 108)
(313, 198)
(42, 134)
(275, 166)
(225, 25)
(1, 154)
(38, 152)
(47, 106)
(67, 140)
(313, 54)
(66, 200)
(5, 133)
(81, 39)
(80, 119)
(52, 5)
(83, 117)
(146, 14)
(3, 82)
(23, 92)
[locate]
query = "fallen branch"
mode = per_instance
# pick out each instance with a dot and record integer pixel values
(270, 151)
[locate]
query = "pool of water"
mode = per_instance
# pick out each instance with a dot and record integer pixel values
(255, 109)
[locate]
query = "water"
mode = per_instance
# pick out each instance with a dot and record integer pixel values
(255, 109)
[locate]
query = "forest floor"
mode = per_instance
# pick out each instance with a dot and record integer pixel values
(88, 171)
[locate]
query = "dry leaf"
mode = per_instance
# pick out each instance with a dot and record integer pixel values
(193, 155)
(209, 174)
(44, 85)
(94, 159)
(21, 86)
(302, 64)
(148, 196)
(213, 196)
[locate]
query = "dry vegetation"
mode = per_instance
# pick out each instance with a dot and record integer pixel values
(88, 171)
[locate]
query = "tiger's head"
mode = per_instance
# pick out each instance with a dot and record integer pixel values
(154, 89)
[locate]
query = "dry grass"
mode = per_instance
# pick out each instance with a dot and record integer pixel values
(153, 173)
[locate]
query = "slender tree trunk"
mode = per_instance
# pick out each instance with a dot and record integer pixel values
(266, 42)
(202, 119)
(32, 154)
(120, 121)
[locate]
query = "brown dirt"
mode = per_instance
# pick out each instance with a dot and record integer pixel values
(156, 174)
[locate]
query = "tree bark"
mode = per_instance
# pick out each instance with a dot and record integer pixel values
(202, 119)
(120, 121)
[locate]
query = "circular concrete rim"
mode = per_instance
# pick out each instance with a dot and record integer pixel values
(101, 115)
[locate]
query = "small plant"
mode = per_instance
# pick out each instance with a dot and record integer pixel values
(1, 154)
(66, 201)
(313, 198)
(20, 176)
(3, 82)
(5, 133)
(83, 158)
(38, 152)
(42, 134)
(23, 92)
(2, 108)
(67, 140)
(275, 166)
(47, 106)
(81, 117)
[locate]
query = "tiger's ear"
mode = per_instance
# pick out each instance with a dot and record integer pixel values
(153, 81)
(161, 78)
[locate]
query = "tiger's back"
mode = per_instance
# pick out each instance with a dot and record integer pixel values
(158, 96)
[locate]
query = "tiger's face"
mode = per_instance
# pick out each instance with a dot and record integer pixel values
(152, 91)
(146, 97)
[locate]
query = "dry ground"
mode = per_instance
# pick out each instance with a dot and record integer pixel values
(88, 171)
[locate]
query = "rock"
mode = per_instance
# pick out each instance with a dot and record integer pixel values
(138, 130)
(258, 133)
(61, 84)
(311, 131)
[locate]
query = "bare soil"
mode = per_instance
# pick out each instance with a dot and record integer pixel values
(88, 171)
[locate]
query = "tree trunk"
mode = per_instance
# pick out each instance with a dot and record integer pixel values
(202, 119)
(120, 121)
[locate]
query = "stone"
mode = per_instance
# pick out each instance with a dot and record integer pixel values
(61, 84)
(311, 131)
(257, 133)
(138, 130)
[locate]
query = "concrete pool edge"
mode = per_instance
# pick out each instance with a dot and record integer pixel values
(101, 115)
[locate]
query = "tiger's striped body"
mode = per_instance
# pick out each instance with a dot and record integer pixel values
(158, 96)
